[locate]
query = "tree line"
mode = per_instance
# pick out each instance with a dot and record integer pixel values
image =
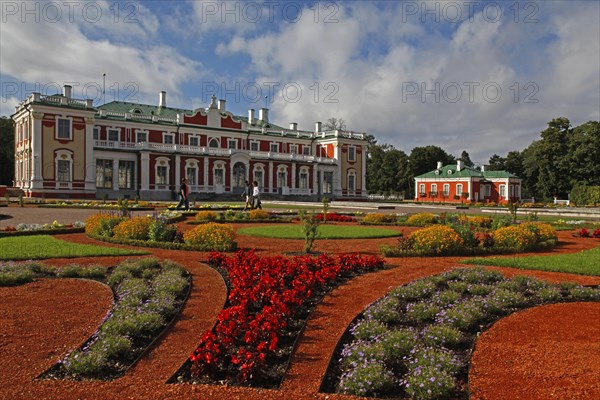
(564, 161)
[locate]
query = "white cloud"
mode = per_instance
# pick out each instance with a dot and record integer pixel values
(7, 105)
(374, 62)
(49, 54)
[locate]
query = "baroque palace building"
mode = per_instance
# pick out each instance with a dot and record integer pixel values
(66, 147)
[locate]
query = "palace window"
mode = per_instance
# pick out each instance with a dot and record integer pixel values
(327, 182)
(126, 174)
(214, 143)
(232, 144)
(168, 138)
(351, 181)
(113, 135)
(351, 153)
(306, 150)
(194, 141)
(254, 146)
(459, 189)
(274, 148)
(63, 128)
(446, 189)
(141, 137)
(96, 134)
(104, 173)
(502, 190)
(162, 175)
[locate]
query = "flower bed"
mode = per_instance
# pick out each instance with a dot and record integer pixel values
(148, 296)
(252, 216)
(335, 217)
(416, 342)
(97, 205)
(267, 304)
(36, 229)
(461, 239)
(156, 231)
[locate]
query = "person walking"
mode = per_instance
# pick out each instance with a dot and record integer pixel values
(256, 196)
(248, 190)
(184, 195)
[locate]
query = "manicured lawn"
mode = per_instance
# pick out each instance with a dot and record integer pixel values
(45, 246)
(325, 232)
(583, 263)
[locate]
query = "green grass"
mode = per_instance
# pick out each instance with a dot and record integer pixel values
(586, 262)
(45, 246)
(325, 232)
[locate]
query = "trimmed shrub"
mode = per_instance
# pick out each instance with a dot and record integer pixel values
(543, 232)
(211, 236)
(437, 240)
(160, 231)
(378, 218)
(422, 219)
(101, 224)
(515, 237)
(136, 228)
(258, 214)
(206, 216)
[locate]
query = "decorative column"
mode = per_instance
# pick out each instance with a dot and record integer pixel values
(270, 177)
(293, 177)
(205, 183)
(89, 162)
(145, 171)
(37, 179)
(315, 181)
(177, 170)
(115, 183)
(337, 190)
(363, 179)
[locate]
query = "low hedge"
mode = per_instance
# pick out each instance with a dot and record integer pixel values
(151, 244)
(54, 231)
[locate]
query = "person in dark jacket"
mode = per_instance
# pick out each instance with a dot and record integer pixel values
(184, 195)
(247, 195)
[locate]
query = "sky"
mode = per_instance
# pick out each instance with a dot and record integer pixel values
(479, 76)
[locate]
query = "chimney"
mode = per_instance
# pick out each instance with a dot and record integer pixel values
(317, 126)
(293, 126)
(162, 99)
(459, 165)
(263, 114)
(251, 116)
(439, 165)
(483, 168)
(222, 105)
(67, 91)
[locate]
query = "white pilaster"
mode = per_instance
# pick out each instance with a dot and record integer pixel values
(115, 183)
(36, 148)
(89, 162)
(293, 176)
(145, 172)
(270, 177)
(363, 162)
(177, 170)
(205, 183)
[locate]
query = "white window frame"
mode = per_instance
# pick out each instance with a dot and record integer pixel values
(352, 151)
(434, 188)
(446, 189)
(113, 130)
(57, 130)
(219, 166)
(276, 147)
(421, 188)
(303, 178)
(133, 176)
(487, 190)
(166, 135)
(138, 136)
(511, 190)
(502, 191)
(103, 176)
(306, 150)
(351, 178)
(293, 149)
(212, 140)
(162, 162)
(192, 164)
(63, 155)
(232, 142)
(459, 189)
(196, 138)
(96, 133)
(282, 171)
(253, 143)
(258, 170)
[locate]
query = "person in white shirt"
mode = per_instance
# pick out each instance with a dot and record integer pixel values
(256, 196)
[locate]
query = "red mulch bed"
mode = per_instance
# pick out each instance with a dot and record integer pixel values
(39, 326)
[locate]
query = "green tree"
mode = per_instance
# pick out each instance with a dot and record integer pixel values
(584, 154)
(466, 159)
(496, 163)
(7, 151)
(513, 163)
(424, 159)
(387, 170)
(552, 155)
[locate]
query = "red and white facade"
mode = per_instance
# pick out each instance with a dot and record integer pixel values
(65, 147)
(457, 183)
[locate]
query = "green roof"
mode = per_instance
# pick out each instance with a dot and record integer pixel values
(450, 171)
(144, 109)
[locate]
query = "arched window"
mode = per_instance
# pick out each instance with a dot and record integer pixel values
(239, 175)
(351, 181)
(191, 172)
(213, 143)
(161, 171)
(281, 176)
(258, 175)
